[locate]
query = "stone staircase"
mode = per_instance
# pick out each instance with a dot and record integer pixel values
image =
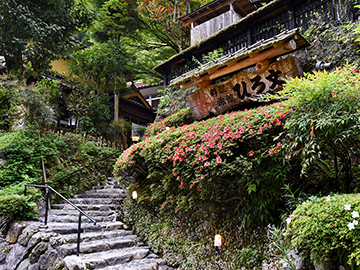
(107, 245)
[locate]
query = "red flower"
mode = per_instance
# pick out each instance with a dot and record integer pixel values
(202, 176)
(270, 151)
(163, 205)
(170, 196)
(251, 153)
(259, 131)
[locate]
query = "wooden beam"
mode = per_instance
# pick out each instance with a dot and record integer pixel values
(263, 64)
(203, 84)
(261, 59)
(271, 53)
(140, 96)
(205, 78)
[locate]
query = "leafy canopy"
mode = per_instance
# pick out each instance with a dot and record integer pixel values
(38, 30)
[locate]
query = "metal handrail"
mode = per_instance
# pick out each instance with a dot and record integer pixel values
(81, 212)
(49, 189)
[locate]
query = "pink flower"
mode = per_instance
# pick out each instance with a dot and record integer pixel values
(170, 196)
(270, 151)
(163, 205)
(202, 176)
(218, 159)
(251, 153)
(279, 144)
(207, 163)
(259, 131)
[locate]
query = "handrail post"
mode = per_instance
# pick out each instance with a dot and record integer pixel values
(78, 238)
(23, 212)
(47, 204)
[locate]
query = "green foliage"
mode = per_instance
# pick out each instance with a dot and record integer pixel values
(325, 127)
(31, 106)
(118, 129)
(335, 43)
(172, 101)
(175, 120)
(12, 205)
(326, 229)
(25, 29)
(21, 153)
(99, 66)
(6, 85)
(282, 246)
(210, 57)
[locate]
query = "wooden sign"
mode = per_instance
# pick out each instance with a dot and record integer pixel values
(221, 97)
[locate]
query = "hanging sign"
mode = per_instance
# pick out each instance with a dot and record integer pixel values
(221, 97)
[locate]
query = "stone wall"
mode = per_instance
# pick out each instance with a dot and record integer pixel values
(27, 246)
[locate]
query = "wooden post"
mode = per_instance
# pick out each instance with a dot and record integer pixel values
(116, 107)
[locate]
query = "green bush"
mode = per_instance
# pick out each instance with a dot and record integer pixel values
(182, 117)
(23, 151)
(327, 230)
(13, 205)
(324, 129)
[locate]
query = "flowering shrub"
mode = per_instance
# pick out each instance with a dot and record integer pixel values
(327, 229)
(230, 159)
(178, 119)
(222, 174)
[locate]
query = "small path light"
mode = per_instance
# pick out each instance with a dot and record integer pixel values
(134, 195)
(217, 241)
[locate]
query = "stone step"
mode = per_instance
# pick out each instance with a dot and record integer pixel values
(60, 212)
(106, 258)
(68, 228)
(86, 207)
(106, 191)
(101, 195)
(95, 200)
(75, 218)
(111, 186)
(98, 245)
(144, 264)
(92, 236)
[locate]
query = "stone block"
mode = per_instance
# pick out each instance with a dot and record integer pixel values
(74, 263)
(38, 250)
(34, 240)
(27, 233)
(24, 265)
(4, 225)
(47, 260)
(15, 230)
(15, 256)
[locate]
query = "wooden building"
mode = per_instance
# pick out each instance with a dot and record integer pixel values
(229, 37)
(255, 26)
